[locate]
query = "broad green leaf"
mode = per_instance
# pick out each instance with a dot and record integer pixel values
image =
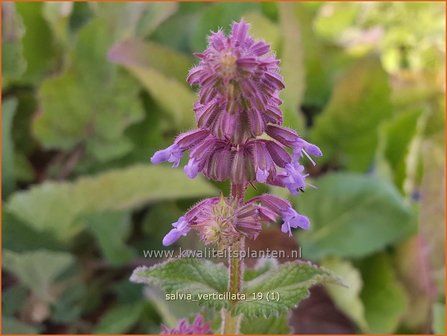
(439, 318)
(111, 230)
(278, 290)
(37, 269)
(195, 277)
(159, 71)
(39, 60)
(292, 66)
(119, 319)
(13, 62)
(265, 326)
(353, 215)
(347, 298)
(395, 140)
(11, 325)
(71, 115)
(58, 207)
(8, 177)
(346, 130)
(383, 295)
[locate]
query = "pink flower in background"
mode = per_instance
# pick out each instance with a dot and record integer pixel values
(198, 327)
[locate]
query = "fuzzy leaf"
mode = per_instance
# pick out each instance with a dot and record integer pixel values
(265, 326)
(281, 289)
(187, 276)
(353, 215)
(28, 268)
(58, 207)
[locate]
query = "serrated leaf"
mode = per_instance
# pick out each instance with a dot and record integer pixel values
(383, 295)
(265, 326)
(72, 115)
(27, 267)
(281, 288)
(347, 299)
(346, 131)
(353, 215)
(187, 276)
(58, 207)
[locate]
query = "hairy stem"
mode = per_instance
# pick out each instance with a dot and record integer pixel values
(231, 324)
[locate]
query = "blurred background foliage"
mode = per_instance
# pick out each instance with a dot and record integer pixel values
(91, 90)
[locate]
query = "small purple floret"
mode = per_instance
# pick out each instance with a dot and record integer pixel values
(171, 154)
(181, 228)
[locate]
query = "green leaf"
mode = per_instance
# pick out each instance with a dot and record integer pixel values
(119, 319)
(262, 28)
(383, 295)
(11, 325)
(187, 276)
(112, 241)
(346, 130)
(71, 115)
(58, 207)
(27, 267)
(13, 299)
(439, 318)
(8, 179)
(40, 61)
(394, 145)
(347, 299)
(292, 66)
(265, 326)
(13, 62)
(278, 290)
(162, 72)
(353, 215)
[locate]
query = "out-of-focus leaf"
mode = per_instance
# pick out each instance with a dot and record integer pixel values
(13, 298)
(333, 18)
(352, 215)
(111, 230)
(162, 87)
(346, 131)
(8, 178)
(18, 236)
(347, 298)
(154, 14)
(13, 62)
(11, 325)
(40, 60)
(439, 319)
(263, 29)
(195, 277)
(281, 288)
(37, 269)
(292, 66)
(394, 145)
(218, 15)
(414, 270)
(72, 115)
(265, 326)
(119, 319)
(57, 207)
(319, 315)
(57, 15)
(68, 307)
(383, 295)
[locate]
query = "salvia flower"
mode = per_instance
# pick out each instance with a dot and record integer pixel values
(239, 82)
(198, 327)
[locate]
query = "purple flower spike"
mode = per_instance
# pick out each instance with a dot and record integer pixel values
(171, 154)
(198, 327)
(181, 228)
(293, 219)
(294, 179)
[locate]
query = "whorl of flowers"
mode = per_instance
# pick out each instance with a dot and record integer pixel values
(239, 137)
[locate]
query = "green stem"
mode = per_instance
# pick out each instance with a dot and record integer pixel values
(231, 324)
